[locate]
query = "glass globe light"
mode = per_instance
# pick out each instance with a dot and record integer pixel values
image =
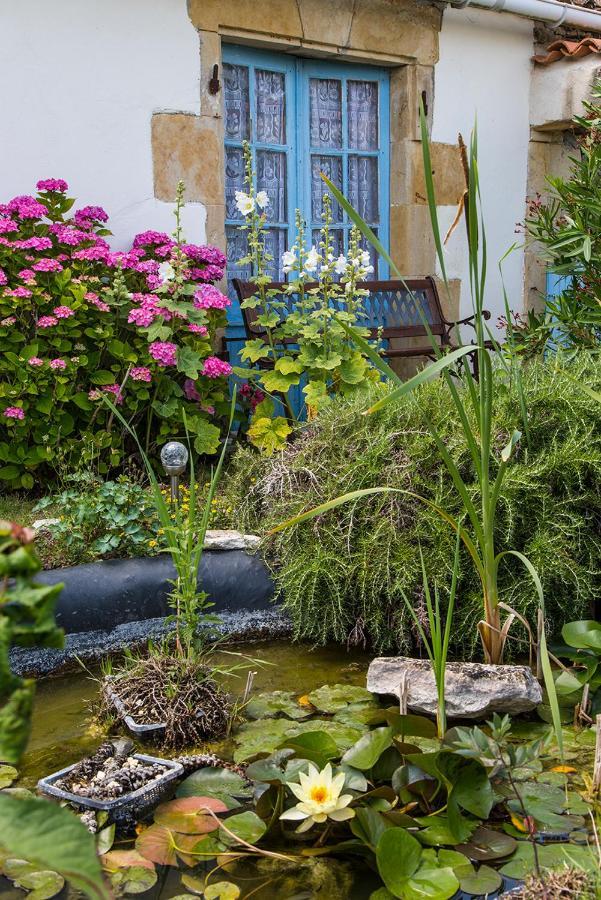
(174, 457)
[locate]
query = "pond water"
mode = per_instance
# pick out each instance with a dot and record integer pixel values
(65, 728)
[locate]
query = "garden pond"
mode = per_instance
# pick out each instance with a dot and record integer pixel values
(289, 705)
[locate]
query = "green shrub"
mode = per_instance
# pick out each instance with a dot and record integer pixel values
(341, 575)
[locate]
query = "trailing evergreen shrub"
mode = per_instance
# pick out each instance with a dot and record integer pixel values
(341, 575)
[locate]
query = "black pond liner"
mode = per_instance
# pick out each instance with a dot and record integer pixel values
(100, 595)
(136, 803)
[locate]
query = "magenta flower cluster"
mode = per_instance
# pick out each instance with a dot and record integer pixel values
(216, 368)
(209, 297)
(164, 352)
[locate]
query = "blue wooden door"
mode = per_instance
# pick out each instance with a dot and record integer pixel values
(302, 117)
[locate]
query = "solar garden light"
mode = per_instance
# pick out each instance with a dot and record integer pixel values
(174, 457)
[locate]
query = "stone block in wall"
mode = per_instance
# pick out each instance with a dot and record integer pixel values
(557, 91)
(449, 179)
(411, 241)
(190, 148)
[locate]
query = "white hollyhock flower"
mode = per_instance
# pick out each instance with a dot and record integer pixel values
(244, 203)
(340, 265)
(166, 271)
(288, 261)
(262, 200)
(320, 799)
(312, 260)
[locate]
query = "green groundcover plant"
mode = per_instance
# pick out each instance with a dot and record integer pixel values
(343, 574)
(79, 321)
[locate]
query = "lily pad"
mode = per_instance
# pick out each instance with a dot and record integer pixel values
(486, 844)
(41, 883)
(254, 738)
(222, 890)
(275, 704)
(247, 826)
(215, 782)
(316, 746)
(483, 882)
(194, 884)
(188, 815)
(553, 856)
(133, 880)
(368, 749)
(331, 699)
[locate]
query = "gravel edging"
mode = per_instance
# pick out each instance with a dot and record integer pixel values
(92, 646)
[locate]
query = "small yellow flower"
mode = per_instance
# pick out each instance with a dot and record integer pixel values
(161, 531)
(320, 799)
(152, 543)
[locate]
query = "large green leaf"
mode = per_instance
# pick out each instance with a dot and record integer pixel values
(368, 749)
(274, 704)
(585, 634)
(214, 782)
(398, 855)
(247, 826)
(316, 746)
(331, 699)
(52, 838)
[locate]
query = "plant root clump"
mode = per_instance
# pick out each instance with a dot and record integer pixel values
(565, 884)
(109, 773)
(179, 693)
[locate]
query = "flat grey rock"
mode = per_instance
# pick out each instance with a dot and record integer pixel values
(472, 690)
(220, 539)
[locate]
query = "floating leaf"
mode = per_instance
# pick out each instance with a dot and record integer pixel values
(331, 699)
(157, 844)
(133, 879)
(316, 746)
(120, 859)
(247, 826)
(368, 749)
(398, 855)
(188, 814)
(486, 844)
(194, 884)
(197, 848)
(214, 781)
(484, 881)
(277, 703)
(222, 890)
(369, 826)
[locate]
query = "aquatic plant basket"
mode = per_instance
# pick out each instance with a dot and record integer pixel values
(134, 804)
(141, 730)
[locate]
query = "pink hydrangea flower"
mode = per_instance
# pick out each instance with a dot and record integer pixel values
(6, 323)
(197, 329)
(215, 367)
(33, 243)
(92, 254)
(164, 352)
(94, 394)
(95, 300)
(69, 236)
(27, 275)
(53, 184)
(7, 226)
(63, 312)
(146, 238)
(209, 297)
(3, 278)
(205, 254)
(25, 207)
(47, 321)
(58, 364)
(14, 412)
(89, 215)
(35, 361)
(114, 389)
(141, 373)
(19, 292)
(209, 273)
(153, 282)
(47, 264)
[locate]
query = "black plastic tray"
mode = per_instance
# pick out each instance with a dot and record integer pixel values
(135, 802)
(152, 729)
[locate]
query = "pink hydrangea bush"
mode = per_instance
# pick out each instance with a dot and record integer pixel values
(79, 321)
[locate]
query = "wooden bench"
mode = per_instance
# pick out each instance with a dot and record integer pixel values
(391, 313)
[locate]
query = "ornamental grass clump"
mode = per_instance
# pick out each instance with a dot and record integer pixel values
(342, 575)
(79, 321)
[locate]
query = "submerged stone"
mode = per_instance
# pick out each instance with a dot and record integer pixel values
(472, 690)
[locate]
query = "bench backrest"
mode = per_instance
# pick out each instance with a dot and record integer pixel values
(390, 305)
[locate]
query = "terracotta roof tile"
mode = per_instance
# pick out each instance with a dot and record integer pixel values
(569, 49)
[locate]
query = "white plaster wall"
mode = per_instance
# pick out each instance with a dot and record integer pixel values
(79, 81)
(484, 73)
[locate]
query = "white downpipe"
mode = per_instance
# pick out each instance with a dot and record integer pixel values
(543, 10)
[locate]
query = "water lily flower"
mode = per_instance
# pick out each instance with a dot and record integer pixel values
(262, 199)
(319, 795)
(244, 203)
(312, 260)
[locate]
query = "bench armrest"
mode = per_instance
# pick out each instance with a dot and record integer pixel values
(468, 320)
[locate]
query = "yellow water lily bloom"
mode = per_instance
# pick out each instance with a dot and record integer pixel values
(319, 795)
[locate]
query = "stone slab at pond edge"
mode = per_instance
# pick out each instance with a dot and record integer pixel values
(472, 690)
